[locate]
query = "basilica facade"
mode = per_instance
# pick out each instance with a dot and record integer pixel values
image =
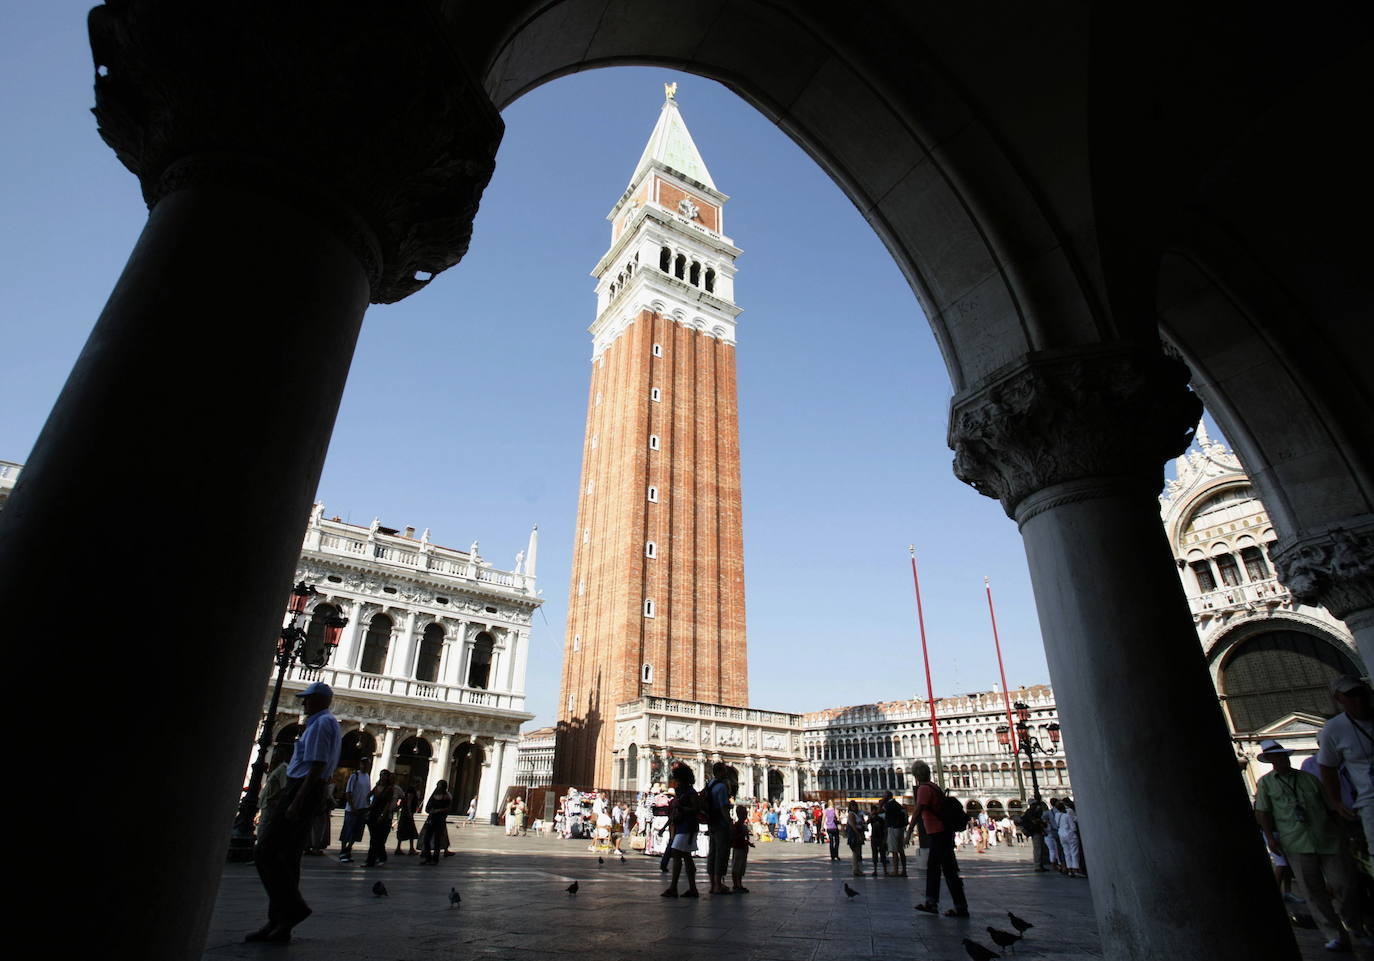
(429, 675)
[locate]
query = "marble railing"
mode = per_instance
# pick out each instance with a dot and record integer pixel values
(342, 679)
(715, 711)
(436, 560)
(1268, 593)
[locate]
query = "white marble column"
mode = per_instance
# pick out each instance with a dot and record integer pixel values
(446, 652)
(489, 792)
(400, 656)
(438, 767)
(345, 658)
(1073, 444)
(388, 752)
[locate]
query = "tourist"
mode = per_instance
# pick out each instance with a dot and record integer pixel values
(716, 798)
(1346, 742)
(356, 791)
(508, 815)
(472, 810)
(379, 813)
(854, 836)
(273, 785)
(434, 837)
(278, 853)
(521, 816)
(1298, 826)
(929, 801)
(405, 817)
(829, 818)
(1069, 845)
(895, 821)
(740, 844)
(1051, 818)
(683, 815)
(877, 838)
(1033, 827)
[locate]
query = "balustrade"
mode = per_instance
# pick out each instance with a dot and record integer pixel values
(1268, 592)
(342, 679)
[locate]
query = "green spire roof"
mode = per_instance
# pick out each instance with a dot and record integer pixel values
(671, 145)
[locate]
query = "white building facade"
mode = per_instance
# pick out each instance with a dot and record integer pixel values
(429, 674)
(1271, 658)
(534, 757)
(866, 749)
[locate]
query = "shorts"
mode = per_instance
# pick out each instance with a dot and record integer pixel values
(683, 845)
(894, 839)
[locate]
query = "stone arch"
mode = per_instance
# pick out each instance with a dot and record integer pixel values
(430, 653)
(376, 644)
(465, 773)
(480, 660)
(412, 762)
(1277, 667)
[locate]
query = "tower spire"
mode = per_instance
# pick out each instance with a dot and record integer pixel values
(671, 145)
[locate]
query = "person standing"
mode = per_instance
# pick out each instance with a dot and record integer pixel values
(940, 838)
(740, 845)
(1346, 742)
(1051, 819)
(379, 813)
(1033, 827)
(854, 837)
(356, 791)
(683, 816)
(895, 819)
(877, 838)
(717, 800)
(273, 784)
(434, 836)
(830, 818)
(1298, 826)
(1069, 845)
(405, 816)
(309, 773)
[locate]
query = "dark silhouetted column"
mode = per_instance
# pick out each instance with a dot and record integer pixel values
(1074, 444)
(299, 161)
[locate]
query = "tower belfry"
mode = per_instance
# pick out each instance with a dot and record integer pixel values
(656, 600)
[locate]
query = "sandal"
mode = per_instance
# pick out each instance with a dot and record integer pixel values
(928, 908)
(670, 893)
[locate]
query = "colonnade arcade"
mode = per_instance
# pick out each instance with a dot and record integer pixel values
(1032, 195)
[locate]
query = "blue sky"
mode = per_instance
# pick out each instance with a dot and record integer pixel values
(464, 408)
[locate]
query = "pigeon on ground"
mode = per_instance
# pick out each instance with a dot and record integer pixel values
(1003, 939)
(572, 888)
(379, 889)
(979, 953)
(454, 897)
(600, 859)
(1019, 924)
(850, 892)
(622, 859)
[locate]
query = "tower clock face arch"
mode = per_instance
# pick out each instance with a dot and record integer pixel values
(656, 602)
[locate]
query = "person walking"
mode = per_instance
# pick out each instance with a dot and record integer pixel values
(405, 816)
(472, 810)
(830, 819)
(356, 791)
(940, 838)
(434, 835)
(273, 785)
(1297, 825)
(1346, 744)
(854, 836)
(684, 818)
(895, 819)
(379, 814)
(277, 855)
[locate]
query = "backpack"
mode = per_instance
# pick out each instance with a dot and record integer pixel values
(1031, 824)
(895, 815)
(952, 812)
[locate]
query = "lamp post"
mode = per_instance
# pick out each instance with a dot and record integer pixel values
(291, 646)
(1026, 744)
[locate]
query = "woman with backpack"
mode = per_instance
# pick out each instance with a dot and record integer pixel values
(941, 816)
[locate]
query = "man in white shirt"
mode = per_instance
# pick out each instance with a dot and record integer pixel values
(1347, 742)
(356, 793)
(278, 852)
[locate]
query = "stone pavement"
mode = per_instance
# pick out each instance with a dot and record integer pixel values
(514, 907)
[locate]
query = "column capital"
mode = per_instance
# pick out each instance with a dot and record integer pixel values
(1332, 566)
(1111, 410)
(360, 115)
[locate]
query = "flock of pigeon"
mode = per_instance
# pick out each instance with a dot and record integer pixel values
(976, 951)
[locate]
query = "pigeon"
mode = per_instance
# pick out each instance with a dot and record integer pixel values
(572, 888)
(454, 897)
(850, 892)
(600, 859)
(379, 889)
(979, 953)
(1004, 939)
(622, 859)
(1018, 924)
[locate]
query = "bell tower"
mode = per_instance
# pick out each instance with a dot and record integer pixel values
(656, 602)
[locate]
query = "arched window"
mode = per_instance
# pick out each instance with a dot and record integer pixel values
(431, 649)
(314, 632)
(695, 275)
(1274, 674)
(1226, 567)
(665, 259)
(1256, 569)
(1202, 571)
(710, 281)
(375, 645)
(631, 767)
(479, 668)
(680, 266)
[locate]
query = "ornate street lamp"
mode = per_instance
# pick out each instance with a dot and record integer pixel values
(291, 646)
(1028, 745)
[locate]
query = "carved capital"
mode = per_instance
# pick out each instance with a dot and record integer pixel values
(360, 115)
(1333, 567)
(1110, 411)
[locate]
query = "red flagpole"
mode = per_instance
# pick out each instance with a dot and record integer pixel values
(925, 655)
(1006, 695)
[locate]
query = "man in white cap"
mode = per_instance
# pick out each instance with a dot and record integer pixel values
(1291, 809)
(278, 852)
(1347, 741)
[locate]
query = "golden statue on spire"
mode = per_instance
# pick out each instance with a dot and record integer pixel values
(670, 90)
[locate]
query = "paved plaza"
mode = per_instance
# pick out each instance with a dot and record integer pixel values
(515, 907)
